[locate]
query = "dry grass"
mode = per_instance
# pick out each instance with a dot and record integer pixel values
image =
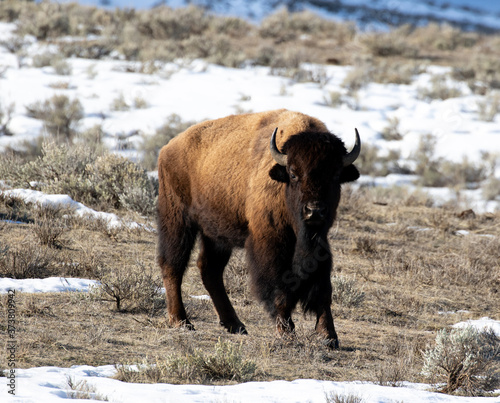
(282, 39)
(407, 262)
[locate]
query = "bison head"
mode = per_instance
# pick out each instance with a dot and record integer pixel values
(313, 166)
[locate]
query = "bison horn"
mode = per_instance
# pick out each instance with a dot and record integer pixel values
(278, 156)
(349, 158)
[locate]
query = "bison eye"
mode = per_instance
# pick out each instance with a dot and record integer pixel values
(293, 176)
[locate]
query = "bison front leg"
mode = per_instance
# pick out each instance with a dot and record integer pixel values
(268, 260)
(326, 328)
(282, 312)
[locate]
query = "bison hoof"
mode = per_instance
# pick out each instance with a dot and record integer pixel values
(184, 324)
(237, 328)
(285, 327)
(332, 343)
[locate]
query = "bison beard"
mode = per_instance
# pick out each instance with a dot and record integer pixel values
(305, 278)
(222, 180)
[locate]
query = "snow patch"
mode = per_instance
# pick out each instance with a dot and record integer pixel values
(49, 384)
(50, 284)
(481, 324)
(64, 201)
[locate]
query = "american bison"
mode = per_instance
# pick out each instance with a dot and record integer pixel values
(228, 181)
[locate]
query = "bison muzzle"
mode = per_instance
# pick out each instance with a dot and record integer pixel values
(269, 182)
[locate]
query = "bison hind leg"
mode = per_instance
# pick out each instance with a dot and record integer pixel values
(174, 249)
(211, 262)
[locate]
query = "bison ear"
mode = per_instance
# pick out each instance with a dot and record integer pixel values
(349, 174)
(278, 173)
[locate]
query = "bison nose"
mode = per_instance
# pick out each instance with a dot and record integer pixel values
(314, 211)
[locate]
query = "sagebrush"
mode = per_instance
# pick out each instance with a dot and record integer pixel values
(104, 181)
(466, 359)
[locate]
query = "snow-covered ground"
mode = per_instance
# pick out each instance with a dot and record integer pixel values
(63, 201)
(50, 284)
(50, 384)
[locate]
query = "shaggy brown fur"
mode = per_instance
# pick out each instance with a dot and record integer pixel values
(218, 179)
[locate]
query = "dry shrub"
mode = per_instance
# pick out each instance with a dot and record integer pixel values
(106, 182)
(87, 48)
(437, 172)
(487, 107)
(14, 208)
(443, 37)
(18, 47)
(491, 188)
(168, 23)
(58, 170)
(365, 245)
(285, 63)
(482, 73)
(392, 132)
(395, 72)
(345, 292)
(48, 19)
(119, 104)
(151, 145)
(283, 26)
(226, 363)
(140, 103)
(334, 397)
(465, 173)
(383, 72)
(5, 118)
(19, 154)
(356, 79)
(10, 10)
(439, 89)
(44, 59)
(427, 164)
(50, 222)
(165, 34)
(393, 43)
(137, 289)
(402, 366)
(372, 162)
(215, 49)
(61, 66)
(231, 26)
(91, 138)
(60, 115)
(333, 99)
(60, 85)
(28, 260)
(82, 390)
(305, 75)
(466, 359)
